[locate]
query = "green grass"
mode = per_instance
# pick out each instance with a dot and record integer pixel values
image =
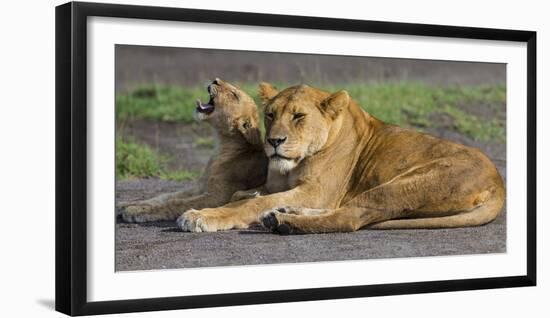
(412, 104)
(205, 142)
(134, 160)
(408, 104)
(477, 128)
(155, 102)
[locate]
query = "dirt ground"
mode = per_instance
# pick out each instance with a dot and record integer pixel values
(160, 245)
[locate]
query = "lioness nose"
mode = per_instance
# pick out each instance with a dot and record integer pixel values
(276, 141)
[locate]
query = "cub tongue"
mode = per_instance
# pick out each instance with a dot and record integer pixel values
(204, 108)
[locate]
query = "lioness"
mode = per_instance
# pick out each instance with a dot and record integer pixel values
(240, 163)
(352, 170)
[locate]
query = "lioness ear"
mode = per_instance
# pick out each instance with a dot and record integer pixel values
(335, 103)
(249, 131)
(266, 92)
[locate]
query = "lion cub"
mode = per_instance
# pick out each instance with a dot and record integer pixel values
(240, 163)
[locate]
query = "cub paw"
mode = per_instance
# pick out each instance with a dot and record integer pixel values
(241, 195)
(135, 213)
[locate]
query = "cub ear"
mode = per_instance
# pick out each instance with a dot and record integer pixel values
(266, 92)
(249, 131)
(335, 103)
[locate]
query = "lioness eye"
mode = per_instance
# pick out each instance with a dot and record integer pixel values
(298, 116)
(269, 116)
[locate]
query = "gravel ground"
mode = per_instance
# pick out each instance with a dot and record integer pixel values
(161, 245)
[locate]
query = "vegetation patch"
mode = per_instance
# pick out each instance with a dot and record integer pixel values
(135, 160)
(205, 142)
(158, 102)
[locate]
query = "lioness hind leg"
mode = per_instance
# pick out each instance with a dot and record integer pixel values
(298, 210)
(301, 210)
(337, 220)
(269, 218)
(429, 190)
(482, 213)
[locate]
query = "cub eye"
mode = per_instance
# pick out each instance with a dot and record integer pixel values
(235, 94)
(269, 116)
(297, 116)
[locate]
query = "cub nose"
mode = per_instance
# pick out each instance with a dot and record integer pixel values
(276, 141)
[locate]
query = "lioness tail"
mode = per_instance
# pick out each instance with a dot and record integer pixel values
(480, 215)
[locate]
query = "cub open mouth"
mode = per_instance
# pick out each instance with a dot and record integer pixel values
(205, 108)
(210, 106)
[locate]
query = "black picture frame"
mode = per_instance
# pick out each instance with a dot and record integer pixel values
(71, 157)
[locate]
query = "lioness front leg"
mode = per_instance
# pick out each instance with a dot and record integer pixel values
(241, 214)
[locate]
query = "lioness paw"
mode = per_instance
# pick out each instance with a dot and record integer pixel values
(193, 221)
(271, 220)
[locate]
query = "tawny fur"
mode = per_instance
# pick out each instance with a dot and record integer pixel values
(346, 170)
(240, 163)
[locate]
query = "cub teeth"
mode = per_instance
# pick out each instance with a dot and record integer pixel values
(200, 105)
(212, 90)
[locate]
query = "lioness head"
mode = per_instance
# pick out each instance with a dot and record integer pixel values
(298, 121)
(230, 110)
